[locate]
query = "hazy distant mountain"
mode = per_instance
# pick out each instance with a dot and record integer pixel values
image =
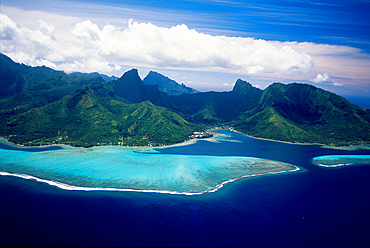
(16, 78)
(39, 105)
(167, 85)
(24, 87)
(96, 74)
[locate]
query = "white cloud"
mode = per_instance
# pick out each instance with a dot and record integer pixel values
(337, 84)
(324, 78)
(349, 65)
(105, 49)
(320, 78)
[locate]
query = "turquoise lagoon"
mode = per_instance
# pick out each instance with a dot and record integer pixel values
(134, 169)
(190, 168)
(314, 207)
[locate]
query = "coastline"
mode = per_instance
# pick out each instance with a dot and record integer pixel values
(5, 141)
(214, 139)
(348, 147)
(280, 141)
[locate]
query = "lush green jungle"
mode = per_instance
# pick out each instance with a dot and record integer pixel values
(39, 105)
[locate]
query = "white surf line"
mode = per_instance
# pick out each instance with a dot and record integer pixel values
(219, 186)
(65, 186)
(335, 165)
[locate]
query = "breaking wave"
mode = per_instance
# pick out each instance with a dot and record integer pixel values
(65, 186)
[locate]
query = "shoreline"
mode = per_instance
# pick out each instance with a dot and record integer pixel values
(348, 147)
(5, 141)
(280, 141)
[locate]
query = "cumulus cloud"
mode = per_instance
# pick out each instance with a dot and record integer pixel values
(105, 49)
(350, 65)
(320, 78)
(324, 78)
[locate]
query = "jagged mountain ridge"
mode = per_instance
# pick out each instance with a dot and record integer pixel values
(294, 112)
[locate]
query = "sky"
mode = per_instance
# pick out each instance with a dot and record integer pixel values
(204, 44)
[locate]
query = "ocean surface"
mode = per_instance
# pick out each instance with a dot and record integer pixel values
(362, 101)
(317, 206)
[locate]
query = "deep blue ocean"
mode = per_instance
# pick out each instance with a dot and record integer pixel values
(316, 207)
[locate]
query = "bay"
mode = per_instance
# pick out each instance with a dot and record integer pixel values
(317, 207)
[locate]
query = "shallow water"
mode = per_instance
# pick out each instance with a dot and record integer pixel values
(341, 160)
(318, 207)
(111, 168)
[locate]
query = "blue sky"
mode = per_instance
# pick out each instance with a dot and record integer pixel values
(204, 44)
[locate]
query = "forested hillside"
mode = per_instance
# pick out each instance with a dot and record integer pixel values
(39, 105)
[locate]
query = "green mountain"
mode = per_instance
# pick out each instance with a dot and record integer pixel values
(305, 113)
(214, 108)
(131, 89)
(16, 78)
(167, 85)
(90, 116)
(39, 105)
(23, 87)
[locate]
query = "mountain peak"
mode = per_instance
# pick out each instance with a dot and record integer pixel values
(131, 77)
(131, 73)
(155, 73)
(167, 85)
(243, 86)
